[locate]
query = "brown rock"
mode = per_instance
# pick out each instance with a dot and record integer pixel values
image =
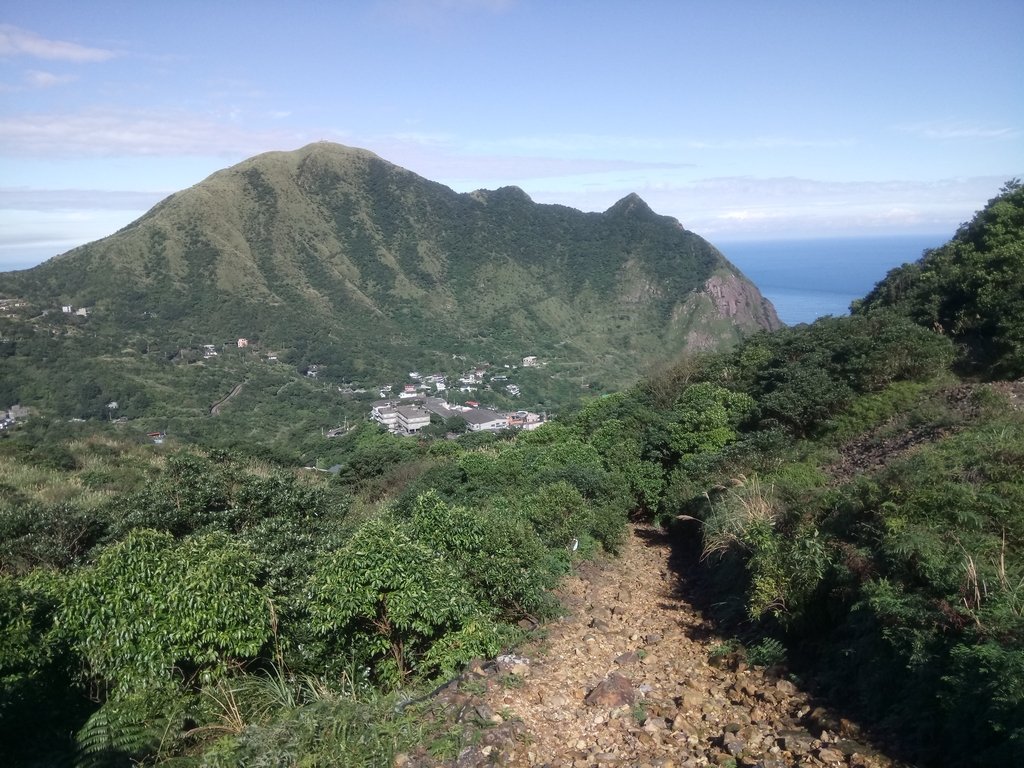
(614, 691)
(830, 756)
(690, 700)
(849, 747)
(626, 658)
(797, 742)
(785, 687)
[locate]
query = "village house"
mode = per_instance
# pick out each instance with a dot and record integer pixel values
(243, 343)
(525, 420)
(530, 361)
(484, 420)
(12, 415)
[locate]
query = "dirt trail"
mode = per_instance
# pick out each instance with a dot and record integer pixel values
(628, 678)
(215, 408)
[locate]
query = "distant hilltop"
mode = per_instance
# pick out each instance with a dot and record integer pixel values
(339, 258)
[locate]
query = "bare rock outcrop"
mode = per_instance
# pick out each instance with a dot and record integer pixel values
(738, 299)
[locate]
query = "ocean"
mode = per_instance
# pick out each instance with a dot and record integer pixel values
(807, 279)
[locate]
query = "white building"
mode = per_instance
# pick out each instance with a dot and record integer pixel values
(386, 415)
(483, 420)
(411, 419)
(400, 419)
(530, 361)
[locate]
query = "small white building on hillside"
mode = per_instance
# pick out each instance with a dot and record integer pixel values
(484, 420)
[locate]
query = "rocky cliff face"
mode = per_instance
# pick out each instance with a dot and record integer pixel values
(739, 300)
(727, 305)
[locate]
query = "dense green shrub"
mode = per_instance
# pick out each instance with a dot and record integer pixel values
(389, 597)
(153, 609)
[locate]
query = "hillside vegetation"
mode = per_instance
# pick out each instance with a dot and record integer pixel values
(332, 257)
(856, 502)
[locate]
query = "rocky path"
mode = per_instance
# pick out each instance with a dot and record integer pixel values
(632, 677)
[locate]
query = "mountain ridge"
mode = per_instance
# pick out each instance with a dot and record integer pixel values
(353, 262)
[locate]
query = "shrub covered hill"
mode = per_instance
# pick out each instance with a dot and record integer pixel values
(333, 257)
(847, 499)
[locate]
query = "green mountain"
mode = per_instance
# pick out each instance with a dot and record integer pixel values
(970, 288)
(331, 256)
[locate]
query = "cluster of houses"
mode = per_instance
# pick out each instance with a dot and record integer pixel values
(12, 415)
(210, 350)
(470, 381)
(411, 417)
(12, 307)
(408, 411)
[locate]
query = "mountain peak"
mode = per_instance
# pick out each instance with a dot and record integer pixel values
(631, 205)
(502, 194)
(335, 149)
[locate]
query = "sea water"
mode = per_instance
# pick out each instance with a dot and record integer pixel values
(807, 279)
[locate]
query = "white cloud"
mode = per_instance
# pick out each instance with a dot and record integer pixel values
(24, 199)
(39, 79)
(956, 129)
(789, 207)
(19, 42)
(99, 133)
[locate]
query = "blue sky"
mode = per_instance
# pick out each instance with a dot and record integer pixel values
(744, 120)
